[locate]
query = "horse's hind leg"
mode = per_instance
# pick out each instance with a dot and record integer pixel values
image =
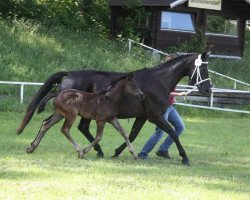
(46, 125)
(99, 133)
(119, 128)
(84, 128)
(164, 125)
(66, 131)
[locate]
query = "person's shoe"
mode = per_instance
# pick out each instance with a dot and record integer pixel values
(163, 154)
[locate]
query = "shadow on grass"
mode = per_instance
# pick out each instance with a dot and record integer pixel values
(213, 176)
(209, 174)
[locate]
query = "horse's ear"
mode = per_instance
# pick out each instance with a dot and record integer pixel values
(205, 55)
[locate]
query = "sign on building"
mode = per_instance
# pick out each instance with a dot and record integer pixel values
(205, 4)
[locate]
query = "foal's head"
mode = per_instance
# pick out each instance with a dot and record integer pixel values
(125, 85)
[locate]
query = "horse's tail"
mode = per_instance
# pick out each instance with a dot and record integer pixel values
(42, 104)
(42, 92)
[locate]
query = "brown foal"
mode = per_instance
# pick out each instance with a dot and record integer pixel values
(100, 107)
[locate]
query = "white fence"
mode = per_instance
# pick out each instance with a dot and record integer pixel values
(180, 88)
(213, 92)
(22, 84)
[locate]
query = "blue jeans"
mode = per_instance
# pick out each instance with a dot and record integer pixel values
(175, 120)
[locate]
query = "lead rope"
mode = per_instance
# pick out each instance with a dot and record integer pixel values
(188, 92)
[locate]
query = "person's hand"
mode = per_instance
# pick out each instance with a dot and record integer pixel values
(188, 92)
(184, 93)
(180, 93)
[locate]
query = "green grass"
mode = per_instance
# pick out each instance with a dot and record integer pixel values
(218, 149)
(32, 52)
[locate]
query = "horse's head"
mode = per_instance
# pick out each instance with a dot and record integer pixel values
(198, 73)
(131, 87)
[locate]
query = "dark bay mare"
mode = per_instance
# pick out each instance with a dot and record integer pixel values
(100, 107)
(156, 83)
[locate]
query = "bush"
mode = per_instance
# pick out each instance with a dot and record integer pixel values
(73, 14)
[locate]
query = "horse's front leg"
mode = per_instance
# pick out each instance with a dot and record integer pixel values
(164, 125)
(139, 122)
(84, 128)
(99, 133)
(120, 129)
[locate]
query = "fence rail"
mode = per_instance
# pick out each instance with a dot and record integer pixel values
(218, 95)
(22, 84)
(180, 87)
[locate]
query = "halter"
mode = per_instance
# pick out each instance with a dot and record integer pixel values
(198, 62)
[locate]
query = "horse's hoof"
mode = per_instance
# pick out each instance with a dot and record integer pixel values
(185, 162)
(29, 150)
(80, 156)
(114, 156)
(100, 154)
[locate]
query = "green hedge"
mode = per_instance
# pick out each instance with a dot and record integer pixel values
(74, 14)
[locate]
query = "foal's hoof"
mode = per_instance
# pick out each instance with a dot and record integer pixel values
(185, 162)
(29, 150)
(18, 131)
(100, 154)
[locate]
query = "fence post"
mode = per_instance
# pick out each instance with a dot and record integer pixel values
(212, 99)
(21, 93)
(235, 82)
(129, 45)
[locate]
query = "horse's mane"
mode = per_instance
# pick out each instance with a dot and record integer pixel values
(165, 64)
(175, 60)
(172, 61)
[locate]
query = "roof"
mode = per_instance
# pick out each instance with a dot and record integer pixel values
(240, 6)
(140, 2)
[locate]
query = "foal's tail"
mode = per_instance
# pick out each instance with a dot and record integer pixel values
(42, 104)
(42, 92)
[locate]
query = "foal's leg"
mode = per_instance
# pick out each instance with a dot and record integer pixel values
(139, 122)
(84, 128)
(164, 125)
(66, 131)
(99, 133)
(46, 125)
(119, 128)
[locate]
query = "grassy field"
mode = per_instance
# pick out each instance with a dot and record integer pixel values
(218, 149)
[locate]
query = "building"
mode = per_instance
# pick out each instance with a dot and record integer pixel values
(224, 25)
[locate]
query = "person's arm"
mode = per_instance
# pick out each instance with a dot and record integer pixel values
(174, 94)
